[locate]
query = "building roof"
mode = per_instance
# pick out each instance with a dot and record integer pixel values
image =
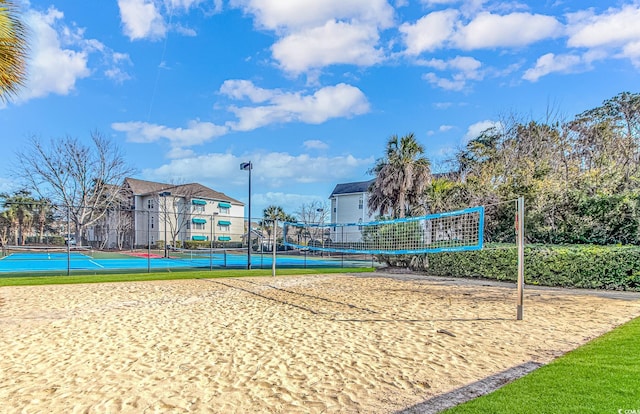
(352, 188)
(191, 190)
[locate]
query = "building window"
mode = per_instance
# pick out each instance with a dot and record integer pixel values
(360, 204)
(198, 208)
(150, 204)
(223, 207)
(198, 226)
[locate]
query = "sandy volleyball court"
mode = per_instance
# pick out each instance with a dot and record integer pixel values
(309, 344)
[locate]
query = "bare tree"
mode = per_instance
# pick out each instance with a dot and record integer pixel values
(313, 213)
(77, 176)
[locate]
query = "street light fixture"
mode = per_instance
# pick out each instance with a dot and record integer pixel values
(248, 166)
(164, 195)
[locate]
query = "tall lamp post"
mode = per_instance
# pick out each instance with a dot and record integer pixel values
(164, 195)
(248, 166)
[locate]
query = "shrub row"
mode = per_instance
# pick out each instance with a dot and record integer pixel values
(592, 267)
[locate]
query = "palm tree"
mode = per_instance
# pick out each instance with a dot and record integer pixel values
(42, 215)
(13, 50)
(8, 227)
(401, 177)
(272, 214)
(443, 194)
(21, 204)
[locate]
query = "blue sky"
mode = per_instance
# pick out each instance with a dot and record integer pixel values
(308, 90)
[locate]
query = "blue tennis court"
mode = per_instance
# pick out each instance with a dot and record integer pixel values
(75, 261)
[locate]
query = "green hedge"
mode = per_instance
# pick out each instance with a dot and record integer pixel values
(592, 267)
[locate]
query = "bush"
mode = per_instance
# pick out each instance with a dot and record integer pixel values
(592, 267)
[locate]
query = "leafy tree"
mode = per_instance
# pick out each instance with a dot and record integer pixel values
(579, 178)
(607, 143)
(13, 50)
(401, 177)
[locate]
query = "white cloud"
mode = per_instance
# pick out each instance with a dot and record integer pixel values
(488, 30)
(150, 19)
(431, 3)
(456, 83)
(550, 63)
(615, 27)
(141, 19)
(179, 152)
(632, 51)
(240, 89)
(315, 144)
(430, 32)
(271, 170)
(447, 28)
(337, 101)
(276, 107)
(464, 68)
(445, 128)
(52, 69)
(478, 128)
(291, 16)
(291, 203)
(314, 34)
(615, 32)
(466, 6)
(196, 132)
(60, 56)
(115, 71)
(441, 128)
(330, 44)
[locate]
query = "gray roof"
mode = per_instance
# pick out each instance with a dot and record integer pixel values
(191, 190)
(352, 188)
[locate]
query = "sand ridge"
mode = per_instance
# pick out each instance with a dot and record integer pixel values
(303, 344)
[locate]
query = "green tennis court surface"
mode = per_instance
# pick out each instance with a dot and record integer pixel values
(89, 261)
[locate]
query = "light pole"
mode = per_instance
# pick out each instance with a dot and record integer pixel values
(248, 166)
(164, 195)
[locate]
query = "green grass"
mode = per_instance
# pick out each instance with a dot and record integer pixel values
(602, 376)
(137, 277)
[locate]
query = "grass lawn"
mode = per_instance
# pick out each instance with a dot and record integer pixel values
(185, 274)
(602, 376)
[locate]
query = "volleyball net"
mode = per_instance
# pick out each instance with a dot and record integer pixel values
(443, 232)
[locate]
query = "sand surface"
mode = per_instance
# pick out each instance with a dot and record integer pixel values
(306, 344)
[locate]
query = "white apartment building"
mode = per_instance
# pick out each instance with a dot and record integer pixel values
(349, 204)
(177, 213)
